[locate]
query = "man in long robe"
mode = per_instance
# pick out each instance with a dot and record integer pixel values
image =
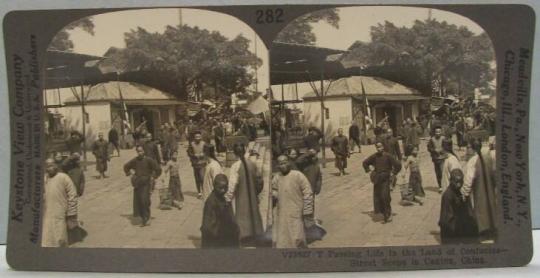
(219, 228)
(340, 147)
(219, 137)
(479, 184)
(145, 170)
(245, 184)
(313, 138)
(100, 149)
(114, 139)
(354, 137)
(74, 142)
(386, 168)
(294, 197)
(59, 207)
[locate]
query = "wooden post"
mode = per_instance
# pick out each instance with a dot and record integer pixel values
(83, 127)
(323, 114)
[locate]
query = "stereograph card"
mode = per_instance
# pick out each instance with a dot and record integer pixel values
(271, 138)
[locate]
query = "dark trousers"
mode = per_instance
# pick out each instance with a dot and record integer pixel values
(381, 196)
(175, 188)
(198, 172)
(438, 165)
(341, 162)
(356, 141)
(116, 146)
(141, 202)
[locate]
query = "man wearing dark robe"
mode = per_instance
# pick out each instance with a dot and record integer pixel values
(73, 143)
(219, 137)
(340, 147)
(313, 138)
(219, 228)
(72, 167)
(145, 170)
(354, 137)
(385, 167)
(456, 221)
(100, 149)
(308, 164)
(113, 139)
(435, 148)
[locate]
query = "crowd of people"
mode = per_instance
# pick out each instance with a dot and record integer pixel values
(231, 215)
(469, 203)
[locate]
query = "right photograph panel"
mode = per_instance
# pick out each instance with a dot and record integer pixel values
(383, 129)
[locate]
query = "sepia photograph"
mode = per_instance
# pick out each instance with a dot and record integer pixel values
(290, 138)
(185, 131)
(383, 130)
(157, 132)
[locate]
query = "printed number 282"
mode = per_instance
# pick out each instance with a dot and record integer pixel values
(269, 16)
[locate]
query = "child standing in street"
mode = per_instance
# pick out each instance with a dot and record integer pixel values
(411, 191)
(175, 186)
(219, 228)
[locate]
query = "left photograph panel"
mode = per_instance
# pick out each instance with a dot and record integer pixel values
(156, 132)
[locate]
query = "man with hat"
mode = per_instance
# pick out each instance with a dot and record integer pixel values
(100, 149)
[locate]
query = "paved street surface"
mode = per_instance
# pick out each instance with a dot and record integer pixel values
(344, 205)
(106, 209)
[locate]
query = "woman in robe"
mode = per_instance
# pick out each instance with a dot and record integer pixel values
(245, 185)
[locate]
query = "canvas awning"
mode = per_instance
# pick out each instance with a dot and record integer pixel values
(376, 89)
(296, 63)
(130, 93)
(391, 98)
(259, 105)
(67, 69)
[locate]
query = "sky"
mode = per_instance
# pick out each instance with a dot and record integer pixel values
(110, 28)
(355, 23)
